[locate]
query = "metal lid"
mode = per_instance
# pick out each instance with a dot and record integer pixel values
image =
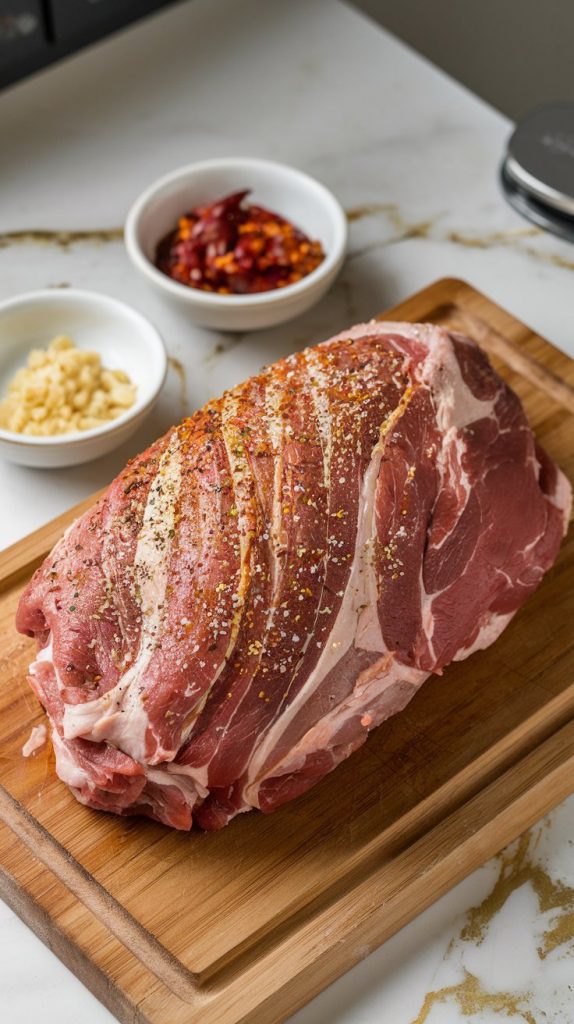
(538, 171)
(541, 156)
(538, 213)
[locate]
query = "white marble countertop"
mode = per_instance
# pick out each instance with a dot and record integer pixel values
(314, 84)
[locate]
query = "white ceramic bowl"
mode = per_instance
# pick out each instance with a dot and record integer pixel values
(294, 195)
(124, 339)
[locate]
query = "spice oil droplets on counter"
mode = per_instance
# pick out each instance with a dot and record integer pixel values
(235, 248)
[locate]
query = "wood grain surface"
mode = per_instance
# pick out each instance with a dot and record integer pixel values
(249, 923)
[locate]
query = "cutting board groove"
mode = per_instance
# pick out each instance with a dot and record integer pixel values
(248, 924)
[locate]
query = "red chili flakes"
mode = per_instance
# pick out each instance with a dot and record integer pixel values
(236, 249)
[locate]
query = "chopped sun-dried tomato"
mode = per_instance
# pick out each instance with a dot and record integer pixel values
(235, 248)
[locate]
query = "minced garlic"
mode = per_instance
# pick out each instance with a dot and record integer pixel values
(62, 389)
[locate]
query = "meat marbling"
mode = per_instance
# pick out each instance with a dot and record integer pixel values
(281, 572)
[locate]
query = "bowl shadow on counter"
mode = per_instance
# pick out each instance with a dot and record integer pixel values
(358, 294)
(361, 292)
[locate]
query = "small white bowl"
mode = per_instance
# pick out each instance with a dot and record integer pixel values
(286, 191)
(124, 339)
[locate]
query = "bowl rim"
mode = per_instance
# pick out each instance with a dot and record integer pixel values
(137, 410)
(211, 300)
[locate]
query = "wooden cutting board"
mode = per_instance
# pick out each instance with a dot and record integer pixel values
(249, 923)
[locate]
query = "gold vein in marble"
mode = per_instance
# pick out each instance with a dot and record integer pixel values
(550, 257)
(405, 229)
(513, 238)
(471, 998)
(370, 210)
(63, 239)
(510, 238)
(559, 935)
(474, 241)
(179, 369)
(517, 868)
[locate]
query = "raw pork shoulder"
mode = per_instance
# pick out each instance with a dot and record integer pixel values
(279, 574)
